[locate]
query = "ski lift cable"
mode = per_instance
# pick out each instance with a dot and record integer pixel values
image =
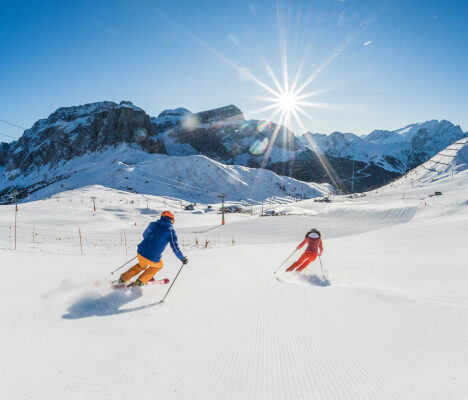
(181, 183)
(184, 188)
(12, 124)
(195, 188)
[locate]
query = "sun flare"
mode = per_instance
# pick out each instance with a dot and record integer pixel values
(287, 102)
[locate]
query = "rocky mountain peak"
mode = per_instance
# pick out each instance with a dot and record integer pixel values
(176, 112)
(227, 113)
(70, 132)
(73, 112)
(169, 118)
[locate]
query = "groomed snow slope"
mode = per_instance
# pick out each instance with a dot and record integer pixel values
(444, 164)
(194, 178)
(389, 323)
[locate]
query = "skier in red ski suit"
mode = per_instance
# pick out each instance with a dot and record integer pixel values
(314, 248)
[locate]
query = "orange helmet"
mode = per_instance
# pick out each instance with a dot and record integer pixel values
(168, 214)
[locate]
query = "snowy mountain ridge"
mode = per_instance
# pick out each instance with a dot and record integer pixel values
(194, 178)
(223, 135)
(399, 150)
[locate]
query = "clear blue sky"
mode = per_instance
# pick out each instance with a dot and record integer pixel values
(380, 64)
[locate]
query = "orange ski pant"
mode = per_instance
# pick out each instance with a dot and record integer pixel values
(149, 267)
(303, 261)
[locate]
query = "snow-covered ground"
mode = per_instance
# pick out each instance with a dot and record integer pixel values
(390, 321)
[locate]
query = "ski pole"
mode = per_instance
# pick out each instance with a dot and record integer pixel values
(123, 265)
(285, 261)
(323, 275)
(168, 290)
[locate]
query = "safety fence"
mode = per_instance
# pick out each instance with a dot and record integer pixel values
(91, 242)
(60, 236)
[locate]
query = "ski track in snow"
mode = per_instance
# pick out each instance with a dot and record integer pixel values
(391, 323)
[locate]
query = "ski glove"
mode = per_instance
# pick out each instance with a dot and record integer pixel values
(185, 261)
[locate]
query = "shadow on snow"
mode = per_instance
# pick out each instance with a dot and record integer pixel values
(302, 279)
(314, 280)
(101, 306)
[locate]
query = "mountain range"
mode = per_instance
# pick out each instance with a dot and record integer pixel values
(43, 154)
(398, 151)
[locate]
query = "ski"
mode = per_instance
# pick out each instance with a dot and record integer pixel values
(151, 282)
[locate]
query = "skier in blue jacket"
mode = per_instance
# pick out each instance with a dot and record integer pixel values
(155, 239)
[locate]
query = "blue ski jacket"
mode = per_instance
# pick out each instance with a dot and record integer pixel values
(155, 239)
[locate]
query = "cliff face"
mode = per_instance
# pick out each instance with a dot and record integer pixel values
(224, 135)
(3, 153)
(71, 132)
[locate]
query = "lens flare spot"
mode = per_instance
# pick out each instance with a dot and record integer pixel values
(140, 134)
(190, 123)
(263, 126)
(259, 147)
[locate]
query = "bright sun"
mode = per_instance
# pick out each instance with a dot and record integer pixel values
(287, 102)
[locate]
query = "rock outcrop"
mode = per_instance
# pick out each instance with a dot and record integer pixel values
(71, 132)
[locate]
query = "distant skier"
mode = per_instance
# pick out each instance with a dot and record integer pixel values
(314, 248)
(155, 239)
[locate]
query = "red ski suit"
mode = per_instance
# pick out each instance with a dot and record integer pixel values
(314, 248)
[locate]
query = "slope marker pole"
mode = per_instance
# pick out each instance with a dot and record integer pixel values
(81, 242)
